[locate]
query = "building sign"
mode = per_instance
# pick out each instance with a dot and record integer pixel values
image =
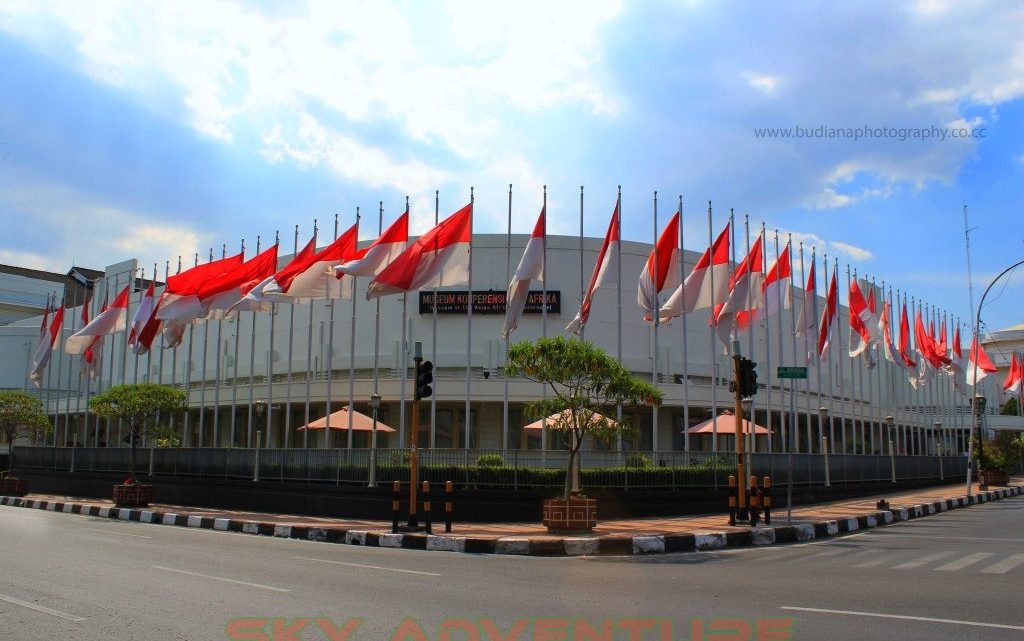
(487, 302)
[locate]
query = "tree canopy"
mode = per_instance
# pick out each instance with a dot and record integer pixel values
(21, 411)
(139, 406)
(585, 383)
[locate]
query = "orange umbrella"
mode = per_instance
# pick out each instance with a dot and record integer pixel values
(561, 416)
(725, 423)
(339, 421)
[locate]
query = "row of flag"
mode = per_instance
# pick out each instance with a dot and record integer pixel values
(737, 298)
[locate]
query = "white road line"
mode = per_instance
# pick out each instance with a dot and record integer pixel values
(95, 529)
(220, 578)
(928, 558)
(821, 555)
(1005, 565)
(368, 567)
(40, 608)
(905, 617)
(960, 564)
(943, 538)
(878, 558)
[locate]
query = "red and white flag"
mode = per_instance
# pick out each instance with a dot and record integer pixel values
(706, 286)
(890, 350)
(777, 284)
(1012, 384)
(807, 322)
(439, 257)
(372, 260)
(863, 330)
(142, 314)
(44, 349)
(656, 278)
(605, 271)
(217, 295)
(531, 267)
(319, 280)
(180, 300)
(926, 345)
(91, 361)
(112, 319)
(257, 299)
(829, 320)
(746, 294)
(909, 363)
(979, 365)
(956, 360)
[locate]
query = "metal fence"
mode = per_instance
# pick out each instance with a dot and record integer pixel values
(513, 469)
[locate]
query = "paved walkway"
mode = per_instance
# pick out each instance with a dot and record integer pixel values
(829, 511)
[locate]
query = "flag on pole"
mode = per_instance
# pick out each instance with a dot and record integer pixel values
(303, 285)
(439, 256)
(111, 320)
(256, 299)
(697, 287)
(1012, 384)
(746, 294)
(604, 272)
(979, 362)
(220, 293)
(829, 320)
(372, 260)
(142, 315)
(956, 359)
(926, 346)
(656, 278)
(777, 285)
(91, 363)
(180, 300)
(908, 362)
(807, 322)
(863, 331)
(943, 346)
(890, 350)
(531, 267)
(44, 349)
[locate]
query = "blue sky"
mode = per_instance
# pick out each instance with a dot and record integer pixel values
(155, 129)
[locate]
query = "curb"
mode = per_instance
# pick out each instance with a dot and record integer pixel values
(612, 544)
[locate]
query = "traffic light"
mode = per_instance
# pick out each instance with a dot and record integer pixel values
(424, 377)
(748, 377)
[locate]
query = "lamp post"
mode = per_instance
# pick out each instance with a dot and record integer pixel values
(375, 406)
(259, 406)
(891, 423)
(822, 415)
(978, 407)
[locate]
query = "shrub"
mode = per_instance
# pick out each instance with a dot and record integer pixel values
(490, 460)
(639, 461)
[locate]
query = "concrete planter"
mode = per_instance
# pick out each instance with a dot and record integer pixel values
(135, 495)
(13, 487)
(575, 515)
(996, 477)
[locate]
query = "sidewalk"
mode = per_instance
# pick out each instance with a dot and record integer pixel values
(624, 536)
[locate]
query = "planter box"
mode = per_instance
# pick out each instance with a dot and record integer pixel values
(996, 477)
(574, 515)
(13, 487)
(137, 495)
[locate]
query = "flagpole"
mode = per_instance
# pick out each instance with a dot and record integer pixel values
(78, 391)
(49, 374)
(878, 384)
(831, 372)
(113, 354)
(467, 426)
(618, 280)
(794, 423)
(45, 335)
(856, 417)
(88, 394)
(352, 351)
(309, 355)
(767, 349)
(124, 340)
(508, 278)
(328, 436)
(433, 330)
(784, 431)
(270, 356)
(67, 400)
(291, 350)
(174, 366)
(234, 382)
(142, 293)
(202, 390)
(682, 323)
(252, 371)
(403, 355)
(217, 367)
(544, 283)
(713, 356)
(657, 306)
(376, 331)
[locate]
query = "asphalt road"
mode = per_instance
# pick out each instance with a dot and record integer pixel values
(956, 575)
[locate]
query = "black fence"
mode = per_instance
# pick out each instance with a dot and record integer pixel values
(514, 469)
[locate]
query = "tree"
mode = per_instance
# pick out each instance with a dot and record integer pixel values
(584, 381)
(21, 411)
(138, 406)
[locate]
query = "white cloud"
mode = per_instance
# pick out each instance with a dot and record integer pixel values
(830, 247)
(851, 251)
(762, 82)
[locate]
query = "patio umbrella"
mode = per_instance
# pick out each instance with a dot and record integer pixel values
(563, 415)
(725, 423)
(339, 422)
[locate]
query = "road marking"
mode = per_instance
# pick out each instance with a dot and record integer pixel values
(96, 529)
(368, 567)
(944, 538)
(821, 555)
(928, 558)
(960, 564)
(1005, 565)
(905, 617)
(220, 578)
(40, 608)
(878, 559)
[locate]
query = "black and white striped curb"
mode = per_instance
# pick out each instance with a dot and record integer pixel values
(614, 544)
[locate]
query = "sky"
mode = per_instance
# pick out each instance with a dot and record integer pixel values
(153, 129)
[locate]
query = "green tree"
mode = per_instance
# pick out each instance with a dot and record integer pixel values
(584, 381)
(138, 406)
(20, 411)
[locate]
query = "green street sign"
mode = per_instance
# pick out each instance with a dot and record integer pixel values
(792, 372)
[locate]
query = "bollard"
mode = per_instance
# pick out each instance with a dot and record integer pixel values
(396, 492)
(766, 500)
(427, 513)
(754, 501)
(732, 499)
(448, 487)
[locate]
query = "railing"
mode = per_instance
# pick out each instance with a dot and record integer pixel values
(513, 469)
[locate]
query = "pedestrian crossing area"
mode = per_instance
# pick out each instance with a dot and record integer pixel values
(946, 561)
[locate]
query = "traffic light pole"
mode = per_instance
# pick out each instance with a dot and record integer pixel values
(414, 441)
(741, 468)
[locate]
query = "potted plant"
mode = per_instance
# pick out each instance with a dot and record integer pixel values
(18, 412)
(582, 380)
(138, 406)
(1001, 454)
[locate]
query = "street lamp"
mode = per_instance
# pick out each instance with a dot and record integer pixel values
(891, 423)
(375, 405)
(938, 437)
(822, 415)
(260, 407)
(978, 407)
